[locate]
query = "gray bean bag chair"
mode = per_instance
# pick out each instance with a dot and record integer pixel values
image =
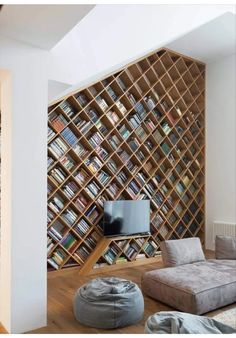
(108, 303)
(173, 322)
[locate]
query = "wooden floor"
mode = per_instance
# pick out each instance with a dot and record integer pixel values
(61, 290)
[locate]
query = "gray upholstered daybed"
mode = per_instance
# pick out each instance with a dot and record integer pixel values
(190, 283)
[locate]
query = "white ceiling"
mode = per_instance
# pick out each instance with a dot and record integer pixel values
(48, 23)
(213, 40)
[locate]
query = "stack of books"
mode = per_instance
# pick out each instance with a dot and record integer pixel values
(81, 202)
(58, 121)
(50, 244)
(56, 203)
(57, 259)
(58, 174)
(68, 109)
(101, 127)
(111, 254)
(133, 189)
(82, 227)
(122, 177)
(69, 136)
(124, 131)
(93, 164)
(50, 161)
(113, 117)
(80, 150)
(67, 162)
(102, 152)
(70, 189)
(114, 141)
(58, 147)
(50, 216)
(51, 134)
(102, 103)
(82, 253)
(92, 189)
(113, 190)
(82, 98)
(140, 132)
(150, 247)
(69, 242)
(111, 164)
(121, 107)
(103, 177)
(69, 216)
(92, 213)
(56, 231)
(81, 175)
(124, 156)
(112, 93)
(95, 139)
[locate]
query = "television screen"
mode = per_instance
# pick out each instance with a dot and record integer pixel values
(126, 217)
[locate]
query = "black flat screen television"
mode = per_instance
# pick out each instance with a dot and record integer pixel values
(122, 218)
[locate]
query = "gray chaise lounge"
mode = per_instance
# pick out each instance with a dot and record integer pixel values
(190, 283)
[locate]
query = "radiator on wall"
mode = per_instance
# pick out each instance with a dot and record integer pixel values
(223, 229)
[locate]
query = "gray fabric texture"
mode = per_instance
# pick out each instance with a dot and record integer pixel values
(225, 247)
(178, 322)
(182, 251)
(108, 303)
(195, 288)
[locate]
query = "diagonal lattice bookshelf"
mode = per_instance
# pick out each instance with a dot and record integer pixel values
(137, 134)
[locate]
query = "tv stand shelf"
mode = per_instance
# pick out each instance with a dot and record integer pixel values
(137, 134)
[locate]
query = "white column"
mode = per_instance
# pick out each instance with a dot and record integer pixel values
(23, 291)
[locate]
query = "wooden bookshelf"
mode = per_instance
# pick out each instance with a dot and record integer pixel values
(137, 134)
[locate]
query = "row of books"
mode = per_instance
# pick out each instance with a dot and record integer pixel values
(69, 216)
(58, 121)
(92, 213)
(81, 176)
(57, 258)
(58, 147)
(80, 150)
(103, 177)
(69, 242)
(82, 227)
(81, 202)
(150, 247)
(93, 189)
(51, 134)
(68, 162)
(111, 254)
(69, 136)
(70, 189)
(93, 164)
(95, 139)
(68, 109)
(56, 203)
(58, 174)
(82, 252)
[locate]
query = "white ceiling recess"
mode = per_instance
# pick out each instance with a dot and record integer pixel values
(213, 40)
(42, 26)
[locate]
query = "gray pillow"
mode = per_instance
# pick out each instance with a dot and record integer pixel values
(182, 251)
(225, 247)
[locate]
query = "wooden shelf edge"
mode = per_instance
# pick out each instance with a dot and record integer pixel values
(126, 265)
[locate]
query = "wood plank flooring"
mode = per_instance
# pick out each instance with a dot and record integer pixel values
(61, 290)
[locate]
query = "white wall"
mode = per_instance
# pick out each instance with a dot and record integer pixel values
(112, 35)
(220, 143)
(23, 292)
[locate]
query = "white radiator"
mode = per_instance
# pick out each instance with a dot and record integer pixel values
(223, 229)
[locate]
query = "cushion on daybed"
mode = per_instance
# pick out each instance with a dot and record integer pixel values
(195, 288)
(225, 247)
(182, 251)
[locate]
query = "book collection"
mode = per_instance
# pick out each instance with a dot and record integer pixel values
(139, 134)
